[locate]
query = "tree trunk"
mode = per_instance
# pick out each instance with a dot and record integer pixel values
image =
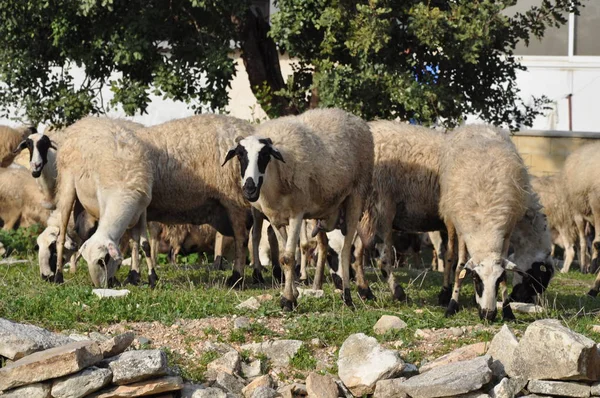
(261, 60)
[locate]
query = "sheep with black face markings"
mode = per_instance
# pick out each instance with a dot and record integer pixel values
(484, 189)
(317, 165)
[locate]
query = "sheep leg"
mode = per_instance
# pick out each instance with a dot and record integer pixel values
(445, 295)
(438, 248)
(257, 226)
(583, 258)
(274, 253)
(596, 242)
(569, 252)
(385, 261)
(304, 243)
(154, 237)
(65, 205)
(73, 263)
(459, 276)
(143, 230)
(288, 300)
(322, 245)
(218, 257)
(240, 238)
(353, 214)
(10, 223)
(507, 313)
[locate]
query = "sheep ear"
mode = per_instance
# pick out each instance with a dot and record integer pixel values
(509, 265)
(229, 156)
(53, 145)
(22, 145)
(31, 130)
(238, 139)
(113, 251)
(277, 155)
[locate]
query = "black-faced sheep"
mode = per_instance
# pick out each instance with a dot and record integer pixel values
(117, 193)
(317, 165)
(483, 194)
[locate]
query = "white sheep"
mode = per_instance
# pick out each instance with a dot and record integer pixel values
(484, 189)
(583, 198)
(405, 193)
(104, 166)
(559, 215)
(321, 169)
(20, 199)
(190, 187)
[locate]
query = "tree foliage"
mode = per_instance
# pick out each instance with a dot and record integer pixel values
(371, 57)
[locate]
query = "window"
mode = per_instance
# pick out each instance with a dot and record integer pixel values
(587, 29)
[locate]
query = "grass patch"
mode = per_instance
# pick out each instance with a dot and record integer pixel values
(303, 360)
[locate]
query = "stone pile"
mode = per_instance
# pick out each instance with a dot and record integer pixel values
(41, 364)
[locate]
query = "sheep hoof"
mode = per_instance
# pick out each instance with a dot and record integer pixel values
(152, 279)
(287, 305)
(113, 282)
(445, 296)
(366, 293)
(399, 293)
(235, 280)
(347, 297)
(58, 278)
(133, 278)
(277, 274)
(507, 312)
(218, 264)
(47, 278)
(257, 277)
(337, 281)
(452, 308)
(592, 293)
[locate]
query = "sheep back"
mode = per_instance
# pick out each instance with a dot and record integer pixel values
(579, 179)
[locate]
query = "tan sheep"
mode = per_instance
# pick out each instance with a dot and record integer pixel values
(190, 187)
(20, 199)
(10, 138)
(560, 217)
(406, 188)
(105, 167)
(578, 177)
(321, 169)
(199, 238)
(483, 194)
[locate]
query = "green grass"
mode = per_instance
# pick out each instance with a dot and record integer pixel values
(191, 290)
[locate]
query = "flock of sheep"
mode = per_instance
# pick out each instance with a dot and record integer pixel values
(325, 177)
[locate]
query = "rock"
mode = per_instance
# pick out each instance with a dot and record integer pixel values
(251, 304)
(264, 298)
(508, 388)
(550, 351)
(79, 337)
(228, 363)
(450, 380)
(262, 381)
(38, 390)
(18, 340)
(106, 293)
(461, 354)
(133, 366)
(595, 389)
(502, 350)
(116, 345)
(142, 388)
(50, 364)
(524, 308)
(252, 370)
(310, 293)
(321, 386)
(279, 352)
(198, 391)
(596, 328)
(389, 389)
(476, 394)
(265, 392)
(409, 370)
(388, 323)
(560, 388)
(363, 362)
(316, 343)
(81, 384)
(141, 340)
(219, 348)
(230, 383)
(456, 332)
(292, 390)
(422, 334)
(241, 323)
(98, 337)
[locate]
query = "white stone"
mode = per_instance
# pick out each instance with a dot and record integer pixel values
(133, 366)
(279, 352)
(310, 293)
(18, 340)
(38, 390)
(502, 350)
(81, 384)
(251, 304)
(560, 388)
(105, 293)
(508, 388)
(388, 323)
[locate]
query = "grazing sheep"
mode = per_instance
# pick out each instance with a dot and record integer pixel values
(322, 169)
(438, 240)
(196, 238)
(189, 185)
(483, 194)
(406, 190)
(20, 199)
(559, 215)
(10, 138)
(116, 193)
(583, 198)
